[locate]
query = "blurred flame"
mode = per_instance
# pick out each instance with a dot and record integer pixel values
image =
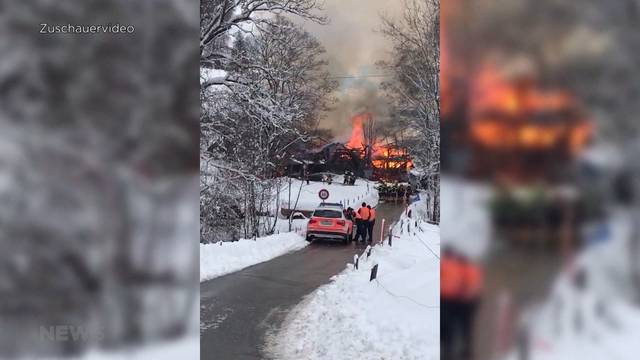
(515, 114)
(519, 115)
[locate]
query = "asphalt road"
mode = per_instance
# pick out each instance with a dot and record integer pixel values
(239, 309)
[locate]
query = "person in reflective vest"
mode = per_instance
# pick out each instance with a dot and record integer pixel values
(451, 290)
(362, 218)
(371, 222)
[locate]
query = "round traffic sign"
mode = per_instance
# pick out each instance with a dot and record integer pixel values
(323, 194)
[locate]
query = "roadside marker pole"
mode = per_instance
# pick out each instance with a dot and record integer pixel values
(382, 233)
(374, 273)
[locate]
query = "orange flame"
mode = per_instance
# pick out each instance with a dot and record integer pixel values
(356, 140)
(504, 115)
(382, 155)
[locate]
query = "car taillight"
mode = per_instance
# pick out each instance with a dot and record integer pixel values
(313, 221)
(341, 222)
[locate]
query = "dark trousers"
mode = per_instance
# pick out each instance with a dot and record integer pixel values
(457, 318)
(468, 314)
(361, 230)
(370, 225)
(450, 328)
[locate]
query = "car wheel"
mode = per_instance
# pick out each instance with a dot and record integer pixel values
(346, 239)
(309, 239)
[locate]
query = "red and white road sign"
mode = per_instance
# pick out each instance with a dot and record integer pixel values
(323, 194)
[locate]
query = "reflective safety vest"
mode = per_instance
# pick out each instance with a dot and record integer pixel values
(451, 279)
(364, 213)
(372, 214)
(472, 280)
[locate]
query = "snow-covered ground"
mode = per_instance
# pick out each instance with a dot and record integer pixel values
(394, 317)
(225, 257)
(349, 195)
(464, 216)
(597, 321)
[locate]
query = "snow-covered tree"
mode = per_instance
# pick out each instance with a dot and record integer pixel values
(220, 18)
(414, 89)
(250, 126)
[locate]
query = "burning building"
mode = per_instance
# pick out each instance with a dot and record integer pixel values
(499, 122)
(362, 153)
(382, 160)
(521, 131)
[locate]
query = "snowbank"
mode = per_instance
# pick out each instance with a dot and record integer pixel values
(298, 226)
(597, 321)
(349, 195)
(212, 76)
(226, 257)
(464, 216)
(395, 317)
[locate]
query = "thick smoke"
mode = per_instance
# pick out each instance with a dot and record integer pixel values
(354, 45)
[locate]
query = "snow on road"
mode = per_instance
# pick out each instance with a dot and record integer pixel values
(226, 257)
(395, 317)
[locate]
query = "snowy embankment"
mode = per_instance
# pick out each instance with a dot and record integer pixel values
(593, 318)
(226, 257)
(348, 195)
(394, 317)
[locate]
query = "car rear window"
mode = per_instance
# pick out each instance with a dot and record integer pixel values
(333, 214)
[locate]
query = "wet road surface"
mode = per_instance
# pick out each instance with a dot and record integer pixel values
(238, 309)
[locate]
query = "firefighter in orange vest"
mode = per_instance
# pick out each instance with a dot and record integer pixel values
(471, 293)
(371, 222)
(451, 294)
(362, 218)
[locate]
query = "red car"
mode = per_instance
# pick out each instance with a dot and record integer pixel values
(329, 222)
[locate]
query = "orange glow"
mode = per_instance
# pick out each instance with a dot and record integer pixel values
(505, 115)
(356, 140)
(491, 92)
(383, 156)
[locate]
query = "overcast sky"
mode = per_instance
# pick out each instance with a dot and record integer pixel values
(354, 45)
